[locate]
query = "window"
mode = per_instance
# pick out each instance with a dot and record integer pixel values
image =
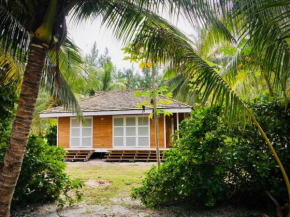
(81, 135)
(131, 132)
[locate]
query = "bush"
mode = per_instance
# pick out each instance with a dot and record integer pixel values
(8, 98)
(42, 177)
(51, 135)
(211, 163)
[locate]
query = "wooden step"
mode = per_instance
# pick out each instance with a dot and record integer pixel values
(132, 155)
(78, 155)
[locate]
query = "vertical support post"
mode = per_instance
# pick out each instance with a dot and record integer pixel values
(57, 127)
(164, 129)
(172, 127)
(177, 122)
(155, 116)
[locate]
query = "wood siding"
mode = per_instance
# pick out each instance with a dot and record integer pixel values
(160, 133)
(64, 132)
(102, 132)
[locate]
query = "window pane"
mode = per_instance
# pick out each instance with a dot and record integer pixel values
(143, 141)
(118, 131)
(130, 131)
(143, 121)
(75, 132)
(75, 123)
(86, 142)
(87, 131)
(118, 121)
(131, 141)
(118, 141)
(143, 131)
(130, 121)
(88, 122)
(75, 142)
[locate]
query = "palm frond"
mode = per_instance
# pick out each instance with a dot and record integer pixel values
(13, 36)
(57, 86)
(125, 17)
(71, 64)
(10, 68)
(164, 43)
(265, 25)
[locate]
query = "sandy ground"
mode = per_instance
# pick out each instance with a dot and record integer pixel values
(125, 206)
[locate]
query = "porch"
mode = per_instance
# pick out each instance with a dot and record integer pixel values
(116, 155)
(133, 155)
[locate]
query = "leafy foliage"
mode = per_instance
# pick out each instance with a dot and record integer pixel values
(42, 177)
(211, 163)
(51, 135)
(8, 99)
(160, 101)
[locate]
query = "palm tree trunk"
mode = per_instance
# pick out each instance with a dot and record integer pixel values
(11, 167)
(270, 146)
(271, 92)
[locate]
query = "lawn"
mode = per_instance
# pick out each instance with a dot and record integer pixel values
(107, 182)
(107, 193)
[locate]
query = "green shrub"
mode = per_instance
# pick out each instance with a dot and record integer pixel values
(8, 98)
(211, 163)
(42, 177)
(51, 135)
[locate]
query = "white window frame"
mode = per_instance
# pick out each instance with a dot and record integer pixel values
(81, 133)
(136, 131)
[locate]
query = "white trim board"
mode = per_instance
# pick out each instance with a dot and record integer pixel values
(126, 112)
(110, 149)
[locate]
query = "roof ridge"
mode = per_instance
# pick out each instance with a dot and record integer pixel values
(105, 91)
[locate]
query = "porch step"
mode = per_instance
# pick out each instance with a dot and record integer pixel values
(132, 156)
(78, 155)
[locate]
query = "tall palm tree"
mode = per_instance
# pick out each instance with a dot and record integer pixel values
(263, 25)
(106, 79)
(165, 42)
(30, 30)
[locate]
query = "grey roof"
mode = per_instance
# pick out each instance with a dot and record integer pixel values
(115, 101)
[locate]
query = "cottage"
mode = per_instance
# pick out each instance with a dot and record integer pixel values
(114, 122)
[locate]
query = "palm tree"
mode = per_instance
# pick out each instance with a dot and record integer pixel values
(179, 84)
(164, 42)
(30, 30)
(106, 78)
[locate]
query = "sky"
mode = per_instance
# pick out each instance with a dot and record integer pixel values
(86, 34)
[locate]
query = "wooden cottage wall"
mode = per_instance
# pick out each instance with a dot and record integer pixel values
(102, 133)
(63, 132)
(160, 133)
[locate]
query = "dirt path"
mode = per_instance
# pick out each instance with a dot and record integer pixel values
(107, 193)
(133, 208)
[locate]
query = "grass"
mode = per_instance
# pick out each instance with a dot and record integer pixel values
(120, 178)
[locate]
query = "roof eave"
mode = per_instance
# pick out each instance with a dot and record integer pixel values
(121, 112)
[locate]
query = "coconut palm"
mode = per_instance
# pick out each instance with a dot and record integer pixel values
(70, 65)
(101, 73)
(263, 25)
(106, 79)
(166, 43)
(30, 30)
